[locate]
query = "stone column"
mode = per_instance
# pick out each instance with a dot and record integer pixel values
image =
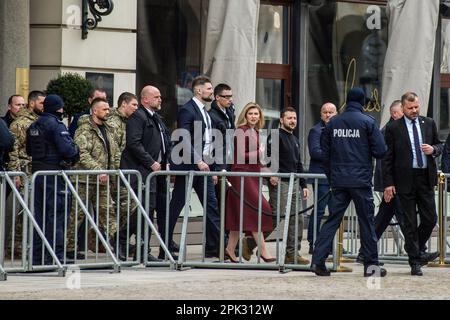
(14, 45)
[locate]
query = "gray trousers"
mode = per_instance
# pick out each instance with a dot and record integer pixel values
(273, 193)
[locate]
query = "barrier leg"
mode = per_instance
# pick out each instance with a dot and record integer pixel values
(340, 251)
(442, 225)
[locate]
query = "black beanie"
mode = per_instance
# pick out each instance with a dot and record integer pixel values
(52, 103)
(356, 95)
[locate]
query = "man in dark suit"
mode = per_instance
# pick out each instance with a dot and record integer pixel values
(386, 210)
(409, 172)
(223, 118)
(147, 150)
(192, 153)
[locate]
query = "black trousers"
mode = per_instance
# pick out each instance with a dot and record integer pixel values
(422, 197)
(385, 214)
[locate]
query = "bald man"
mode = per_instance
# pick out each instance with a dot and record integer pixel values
(146, 150)
(327, 111)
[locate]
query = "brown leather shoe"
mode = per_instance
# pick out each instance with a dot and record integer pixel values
(300, 260)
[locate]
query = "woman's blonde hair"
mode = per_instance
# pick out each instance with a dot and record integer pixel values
(242, 120)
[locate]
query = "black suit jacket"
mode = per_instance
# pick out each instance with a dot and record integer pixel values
(188, 151)
(222, 123)
(397, 163)
(143, 143)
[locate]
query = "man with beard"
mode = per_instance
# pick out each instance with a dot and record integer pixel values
(19, 159)
(289, 161)
(98, 150)
(194, 118)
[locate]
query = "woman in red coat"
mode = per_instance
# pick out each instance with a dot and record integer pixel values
(247, 159)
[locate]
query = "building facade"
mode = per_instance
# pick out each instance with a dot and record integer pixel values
(301, 53)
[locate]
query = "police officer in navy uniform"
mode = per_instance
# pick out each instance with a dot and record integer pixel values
(51, 148)
(349, 142)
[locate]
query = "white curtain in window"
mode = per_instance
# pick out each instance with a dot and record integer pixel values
(230, 47)
(408, 65)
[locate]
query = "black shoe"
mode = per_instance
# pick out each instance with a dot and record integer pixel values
(162, 255)
(211, 254)
(122, 254)
(428, 257)
(360, 259)
(151, 258)
(174, 247)
(321, 271)
(70, 255)
(416, 270)
(374, 270)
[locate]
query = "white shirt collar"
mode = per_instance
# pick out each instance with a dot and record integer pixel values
(199, 104)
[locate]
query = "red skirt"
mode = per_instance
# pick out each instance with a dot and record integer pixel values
(250, 206)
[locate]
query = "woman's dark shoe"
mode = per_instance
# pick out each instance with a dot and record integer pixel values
(227, 256)
(268, 260)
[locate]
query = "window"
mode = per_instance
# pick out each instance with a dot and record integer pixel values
(347, 46)
(170, 43)
(273, 72)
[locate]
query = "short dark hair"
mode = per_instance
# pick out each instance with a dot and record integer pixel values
(409, 96)
(34, 95)
(394, 103)
(127, 97)
(199, 81)
(92, 92)
(97, 100)
(221, 87)
(287, 109)
(10, 99)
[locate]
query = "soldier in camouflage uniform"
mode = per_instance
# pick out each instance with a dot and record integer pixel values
(18, 157)
(98, 150)
(19, 160)
(127, 104)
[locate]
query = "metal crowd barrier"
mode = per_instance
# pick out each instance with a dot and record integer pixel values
(92, 210)
(188, 259)
(391, 243)
(108, 209)
(13, 200)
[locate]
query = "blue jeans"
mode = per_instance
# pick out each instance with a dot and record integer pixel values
(321, 191)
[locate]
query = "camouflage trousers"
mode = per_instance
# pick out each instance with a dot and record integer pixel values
(103, 206)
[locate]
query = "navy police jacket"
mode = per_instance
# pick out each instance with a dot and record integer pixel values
(60, 150)
(315, 150)
(349, 141)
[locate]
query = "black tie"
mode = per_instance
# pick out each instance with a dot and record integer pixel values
(417, 144)
(160, 124)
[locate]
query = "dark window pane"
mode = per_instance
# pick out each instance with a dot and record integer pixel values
(347, 47)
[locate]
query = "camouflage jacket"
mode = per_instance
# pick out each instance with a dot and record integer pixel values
(93, 150)
(19, 160)
(118, 122)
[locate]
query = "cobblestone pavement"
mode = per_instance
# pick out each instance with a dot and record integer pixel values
(219, 284)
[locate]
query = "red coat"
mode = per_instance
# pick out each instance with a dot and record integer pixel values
(246, 153)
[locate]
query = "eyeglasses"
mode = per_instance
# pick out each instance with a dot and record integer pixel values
(226, 97)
